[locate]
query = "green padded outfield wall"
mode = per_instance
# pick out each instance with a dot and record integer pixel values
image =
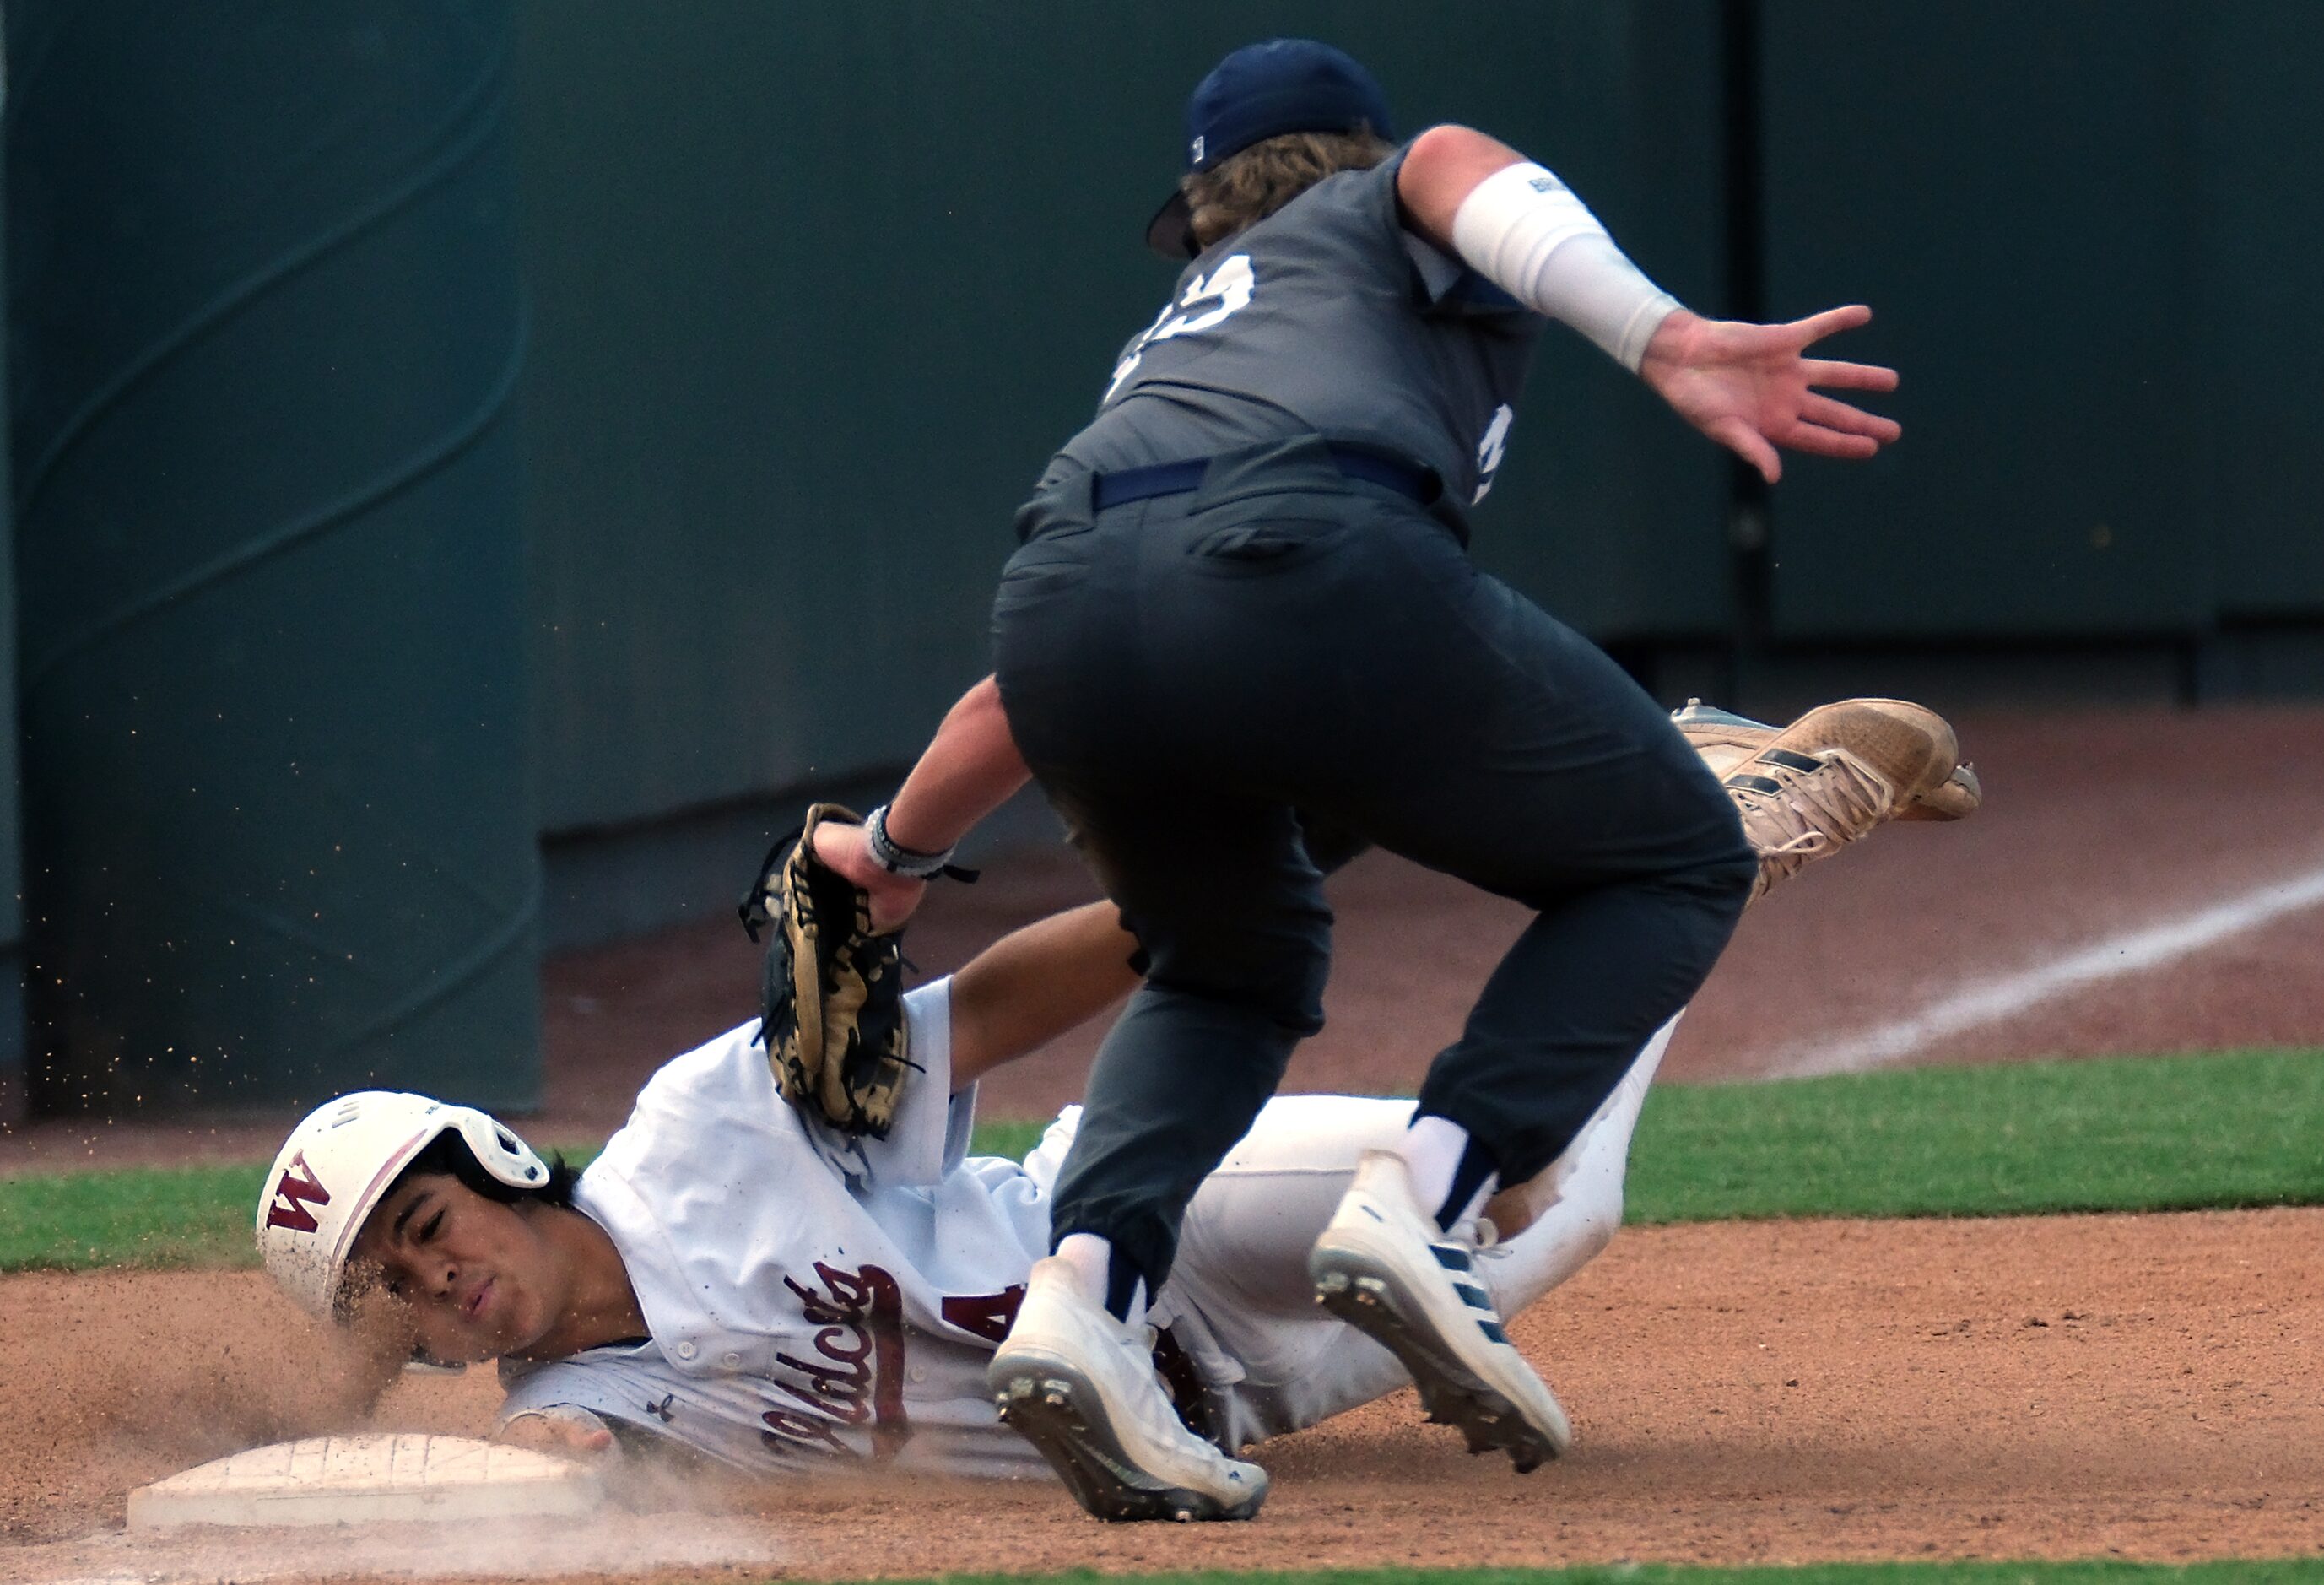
(12, 858)
(2258, 232)
(266, 329)
(2091, 229)
(818, 288)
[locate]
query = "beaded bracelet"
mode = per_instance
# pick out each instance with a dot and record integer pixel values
(899, 860)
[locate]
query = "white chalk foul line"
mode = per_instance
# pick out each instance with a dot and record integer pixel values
(1992, 1000)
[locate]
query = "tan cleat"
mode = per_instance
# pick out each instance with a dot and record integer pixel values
(1831, 776)
(1725, 740)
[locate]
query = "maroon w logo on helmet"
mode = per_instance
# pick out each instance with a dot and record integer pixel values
(293, 1192)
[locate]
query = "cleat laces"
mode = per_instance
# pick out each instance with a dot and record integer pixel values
(1792, 816)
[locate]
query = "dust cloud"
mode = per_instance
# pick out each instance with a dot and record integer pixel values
(109, 1380)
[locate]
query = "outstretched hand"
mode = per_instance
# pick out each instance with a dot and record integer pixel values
(1749, 388)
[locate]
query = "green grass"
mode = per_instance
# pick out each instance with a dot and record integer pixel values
(1012, 1139)
(2122, 1134)
(138, 1216)
(2127, 1134)
(2292, 1570)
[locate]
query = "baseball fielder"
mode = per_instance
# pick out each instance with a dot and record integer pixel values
(1243, 603)
(735, 1277)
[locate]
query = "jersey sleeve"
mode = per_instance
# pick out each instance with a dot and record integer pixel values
(1443, 285)
(930, 1135)
(650, 1408)
(568, 1390)
(1373, 191)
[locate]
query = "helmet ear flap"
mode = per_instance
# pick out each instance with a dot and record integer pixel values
(499, 1151)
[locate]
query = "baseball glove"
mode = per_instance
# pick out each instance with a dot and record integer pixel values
(832, 1008)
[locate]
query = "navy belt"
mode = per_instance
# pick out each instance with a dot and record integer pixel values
(1410, 480)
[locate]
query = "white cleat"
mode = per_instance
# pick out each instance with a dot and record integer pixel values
(1383, 1267)
(1080, 1387)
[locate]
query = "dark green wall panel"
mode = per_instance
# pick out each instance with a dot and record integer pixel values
(818, 290)
(2010, 186)
(1609, 512)
(12, 853)
(2257, 229)
(265, 328)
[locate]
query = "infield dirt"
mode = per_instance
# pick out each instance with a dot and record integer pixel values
(2135, 1386)
(2143, 1386)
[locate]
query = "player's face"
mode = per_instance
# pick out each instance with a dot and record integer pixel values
(477, 1276)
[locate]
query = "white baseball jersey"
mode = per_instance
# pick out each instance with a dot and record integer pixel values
(811, 1296)
(806, 1294)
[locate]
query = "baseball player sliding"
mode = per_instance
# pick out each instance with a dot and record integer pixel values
(1243, 606)
(736, 1278)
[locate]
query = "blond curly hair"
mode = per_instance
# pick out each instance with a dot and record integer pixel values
(1244, 189)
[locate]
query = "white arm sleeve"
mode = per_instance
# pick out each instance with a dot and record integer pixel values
(1526, 232)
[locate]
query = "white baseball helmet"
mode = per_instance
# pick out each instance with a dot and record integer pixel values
(339, 1164)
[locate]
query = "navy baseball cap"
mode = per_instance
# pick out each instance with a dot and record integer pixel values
(1262, 91)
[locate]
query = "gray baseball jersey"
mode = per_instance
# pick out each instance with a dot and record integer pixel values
(1326, 317)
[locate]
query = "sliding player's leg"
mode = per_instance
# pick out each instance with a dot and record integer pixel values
(1241, 1304)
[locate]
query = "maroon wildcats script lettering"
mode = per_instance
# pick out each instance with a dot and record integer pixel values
(856, 1377)
(293, 1191)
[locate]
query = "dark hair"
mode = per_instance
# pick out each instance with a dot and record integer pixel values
(448, 1156)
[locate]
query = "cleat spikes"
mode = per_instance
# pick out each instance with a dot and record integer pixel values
(1405, 1294)
(1069, 1379)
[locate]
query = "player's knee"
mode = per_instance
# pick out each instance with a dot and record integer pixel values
(1605, 1222)
(1707, 853)
(1729, 881)
(1278, 976)
(1711, 892)
(1286, 995)
(1724, 857)
(1595, 1205)
(1562, 1237)
(1724, 868)
(1296, 991)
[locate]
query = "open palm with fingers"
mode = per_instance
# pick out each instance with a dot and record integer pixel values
(1751, 388)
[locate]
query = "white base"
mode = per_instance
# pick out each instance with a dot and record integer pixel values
(359, 1480)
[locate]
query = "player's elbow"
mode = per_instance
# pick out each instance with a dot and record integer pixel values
(1444, 146)
(1441, 167)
